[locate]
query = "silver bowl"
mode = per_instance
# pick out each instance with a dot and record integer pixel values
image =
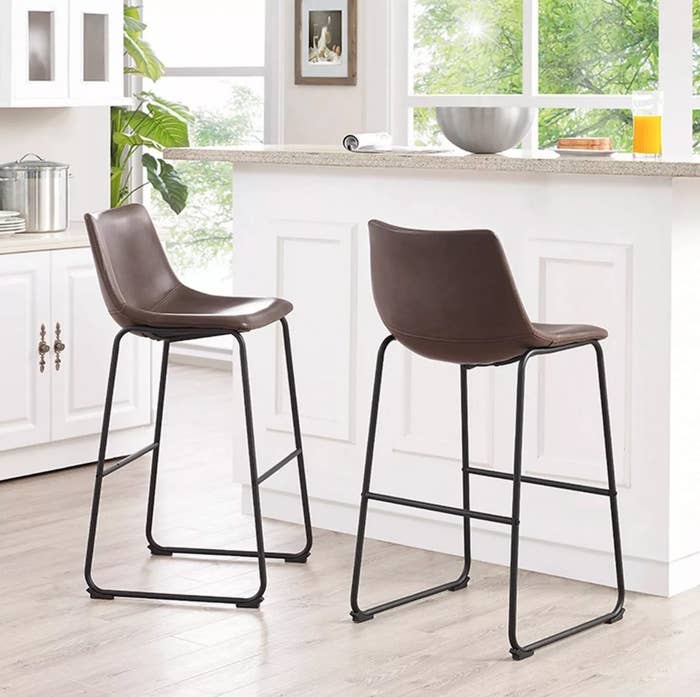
(485, 129)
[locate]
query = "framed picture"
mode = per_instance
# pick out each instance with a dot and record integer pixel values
(326, 42)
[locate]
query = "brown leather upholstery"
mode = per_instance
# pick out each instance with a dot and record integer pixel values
(141, 290)
(450, 295)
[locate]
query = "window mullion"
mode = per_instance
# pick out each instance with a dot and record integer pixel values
(273, 72)
(531, 64)
(216, 71)
(676, 75)
(401, 78)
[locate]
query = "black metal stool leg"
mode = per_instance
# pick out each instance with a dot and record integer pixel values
(463, 580)
(292, 557)
(517, 651)
(303, 555)
(155, 548)
(521, 652)
(93, 589)
(357, 613)
(619, 609)
(254, 483)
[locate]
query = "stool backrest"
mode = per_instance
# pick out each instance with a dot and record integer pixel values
(133, 270)
(447, 294)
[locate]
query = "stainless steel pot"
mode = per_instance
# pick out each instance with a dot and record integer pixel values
(38, 189)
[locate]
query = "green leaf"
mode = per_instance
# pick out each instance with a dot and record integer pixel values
(145, 60)
(115, 185)
(133, 140)
(167, 182)
(180, 110)
(133, 25)
(132, 11)
(159, 126)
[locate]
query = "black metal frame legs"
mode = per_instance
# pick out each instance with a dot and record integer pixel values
(253, 601)
(517, 650)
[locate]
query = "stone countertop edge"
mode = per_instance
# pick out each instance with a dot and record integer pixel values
(543, 162)
(75, 237)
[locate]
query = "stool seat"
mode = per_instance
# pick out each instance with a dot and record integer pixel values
(141, 289)
(449, 295)
(191, 309)
(564, 334)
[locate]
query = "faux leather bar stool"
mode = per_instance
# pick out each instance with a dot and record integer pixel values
(450, 296)
(145, 298)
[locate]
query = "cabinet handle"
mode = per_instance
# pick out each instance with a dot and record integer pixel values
(58, 346)
(44, 348)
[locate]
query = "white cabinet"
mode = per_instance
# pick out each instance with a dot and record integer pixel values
(86, 330)
(60, 52)
(25, 406)
(59, 401)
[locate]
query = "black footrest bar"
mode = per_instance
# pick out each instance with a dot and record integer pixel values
(130, 458)
(541, 482)
(450, 510)
(248, 553)
(279, 465)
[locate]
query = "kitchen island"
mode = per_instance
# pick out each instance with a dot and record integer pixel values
(613, 242)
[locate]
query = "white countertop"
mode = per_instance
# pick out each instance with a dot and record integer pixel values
(545, 161)
(73, 238)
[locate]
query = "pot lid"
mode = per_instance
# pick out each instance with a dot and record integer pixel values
(24, 165)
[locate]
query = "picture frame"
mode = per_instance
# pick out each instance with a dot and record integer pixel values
(326, 42)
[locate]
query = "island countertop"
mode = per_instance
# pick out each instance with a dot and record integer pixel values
(516, 161)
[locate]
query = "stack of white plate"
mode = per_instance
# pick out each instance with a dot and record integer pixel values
(11, 222)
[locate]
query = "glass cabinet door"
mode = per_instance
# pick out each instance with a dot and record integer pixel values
(96, 51)
(39, 51)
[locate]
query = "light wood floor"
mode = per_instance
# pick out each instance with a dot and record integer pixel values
(55, 641)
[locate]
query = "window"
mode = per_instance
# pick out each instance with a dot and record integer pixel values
(215, 64)
(577, 61)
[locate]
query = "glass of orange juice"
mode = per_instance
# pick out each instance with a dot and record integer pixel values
(647, 108)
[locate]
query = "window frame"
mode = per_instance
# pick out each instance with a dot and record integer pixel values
(270, 71)
(675, 78)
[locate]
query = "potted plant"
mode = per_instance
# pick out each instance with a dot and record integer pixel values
(153, 123)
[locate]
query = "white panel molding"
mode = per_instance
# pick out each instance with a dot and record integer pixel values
(412, 442)
(125, 401)
(318, 236)
(585, 257)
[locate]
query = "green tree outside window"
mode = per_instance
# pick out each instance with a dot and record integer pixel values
(585, 47)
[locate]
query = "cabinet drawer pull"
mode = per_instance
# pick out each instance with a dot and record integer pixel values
(58, 346)
(44, 348)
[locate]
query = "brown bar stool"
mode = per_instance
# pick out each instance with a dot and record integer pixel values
(450, 296)
(145, 298)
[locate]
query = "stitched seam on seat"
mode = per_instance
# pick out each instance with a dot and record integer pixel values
(162, 300)
(465, 341)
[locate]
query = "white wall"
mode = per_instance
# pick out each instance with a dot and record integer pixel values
(78, 137)
(322, 115)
